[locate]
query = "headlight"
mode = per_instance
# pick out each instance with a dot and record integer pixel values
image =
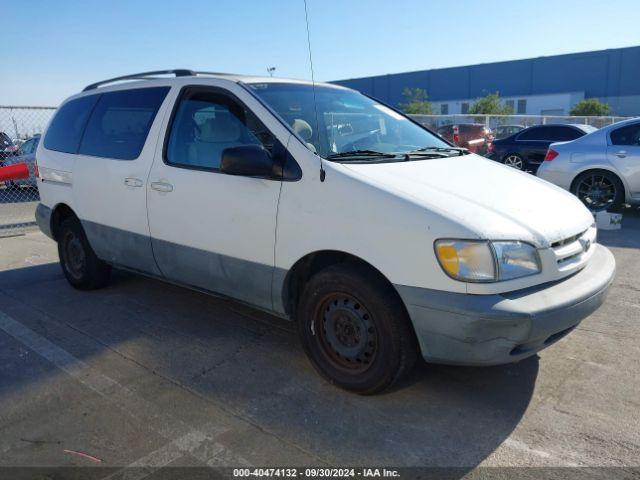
(483, 261)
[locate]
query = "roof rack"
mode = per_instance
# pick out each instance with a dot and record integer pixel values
(140, 76)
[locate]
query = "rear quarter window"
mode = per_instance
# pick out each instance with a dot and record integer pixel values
(65, 131)
(120, 123)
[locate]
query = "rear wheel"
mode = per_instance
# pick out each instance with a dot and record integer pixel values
(599, 190)
(355, 329)
(514, 160)
(80, 265)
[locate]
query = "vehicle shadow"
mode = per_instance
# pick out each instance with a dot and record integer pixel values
(251, 364)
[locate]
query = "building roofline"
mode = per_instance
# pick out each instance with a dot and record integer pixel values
(488, 63)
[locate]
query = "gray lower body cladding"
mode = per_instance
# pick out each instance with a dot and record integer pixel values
(462, 329)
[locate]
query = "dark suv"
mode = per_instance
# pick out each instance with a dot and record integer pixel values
(525, 150)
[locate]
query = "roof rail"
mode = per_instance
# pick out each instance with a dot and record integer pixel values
(177, 72)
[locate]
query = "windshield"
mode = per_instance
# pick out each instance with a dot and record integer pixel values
(347, 120)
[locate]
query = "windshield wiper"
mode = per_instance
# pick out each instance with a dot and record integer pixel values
(460, 150)
(360, 153)
(354, 155)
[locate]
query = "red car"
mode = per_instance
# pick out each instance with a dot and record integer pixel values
(474, 136)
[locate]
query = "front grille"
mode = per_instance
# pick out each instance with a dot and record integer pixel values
(572, 250)
(568, 240)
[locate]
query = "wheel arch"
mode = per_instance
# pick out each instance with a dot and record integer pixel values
(59, 214)
(303, 269)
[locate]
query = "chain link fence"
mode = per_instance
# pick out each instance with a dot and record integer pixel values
(20, 129)
(501, 123)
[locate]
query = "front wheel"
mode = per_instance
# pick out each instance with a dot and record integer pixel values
(514, 160)
(355, 329)
(80, 265)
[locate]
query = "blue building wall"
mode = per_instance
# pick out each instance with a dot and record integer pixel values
(606, 74)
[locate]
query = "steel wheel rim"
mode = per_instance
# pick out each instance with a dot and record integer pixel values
(514, 161)
(74, 255)
(347, 336)
(597, 192)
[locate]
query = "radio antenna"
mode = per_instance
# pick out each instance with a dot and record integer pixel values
(313, 86)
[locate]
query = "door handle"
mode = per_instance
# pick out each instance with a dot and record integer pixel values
(621, 154)
(162, 186)
(132, 182)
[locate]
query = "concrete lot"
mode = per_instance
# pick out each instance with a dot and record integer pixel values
(146, 373)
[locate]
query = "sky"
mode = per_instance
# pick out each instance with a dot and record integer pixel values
(52, 49)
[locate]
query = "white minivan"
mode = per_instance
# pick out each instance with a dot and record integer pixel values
(319, 204)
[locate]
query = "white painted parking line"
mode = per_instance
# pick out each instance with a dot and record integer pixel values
(183, 439)
(188, 444)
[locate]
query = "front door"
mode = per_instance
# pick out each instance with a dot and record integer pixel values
(208, 229)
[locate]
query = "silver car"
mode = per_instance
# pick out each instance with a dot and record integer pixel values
(27, 154)
(601, 168)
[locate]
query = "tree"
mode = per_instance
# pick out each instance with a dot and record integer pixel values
(590, 107)
(490, 105)
(416, 102)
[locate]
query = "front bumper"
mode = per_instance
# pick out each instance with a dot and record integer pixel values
(464, 329)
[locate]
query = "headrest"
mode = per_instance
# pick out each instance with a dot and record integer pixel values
(223, 128)
(302, 128)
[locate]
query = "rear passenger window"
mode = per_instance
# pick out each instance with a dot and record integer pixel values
(205, 123)
(538, 133)
(65, 131)
(629, 135)
(120, 123)
(562, 134)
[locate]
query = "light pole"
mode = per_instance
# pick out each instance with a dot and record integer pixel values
(271, 70)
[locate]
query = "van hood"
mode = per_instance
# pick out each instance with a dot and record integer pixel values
(489, 199)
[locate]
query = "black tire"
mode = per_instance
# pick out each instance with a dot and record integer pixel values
(80, 265)
(355, 329)
(516, 161)
(606, 192)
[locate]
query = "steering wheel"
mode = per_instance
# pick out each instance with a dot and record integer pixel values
(367, 139)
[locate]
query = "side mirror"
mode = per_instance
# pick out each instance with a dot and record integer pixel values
(247, 160)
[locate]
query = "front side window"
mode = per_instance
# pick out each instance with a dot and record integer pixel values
(65, 131)
(342, 121)
(207, 122)
(629, 135)
(120, 123)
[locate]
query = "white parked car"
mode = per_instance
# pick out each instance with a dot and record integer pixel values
(316, 203)
(602, 168)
